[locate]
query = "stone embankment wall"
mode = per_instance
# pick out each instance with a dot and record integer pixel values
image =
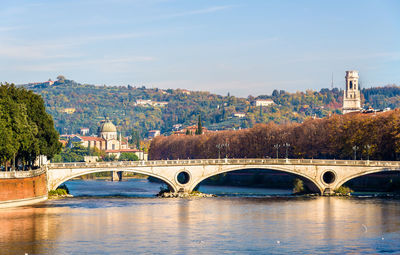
(22, 187)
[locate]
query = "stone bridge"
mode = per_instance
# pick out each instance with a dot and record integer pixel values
(184, 175)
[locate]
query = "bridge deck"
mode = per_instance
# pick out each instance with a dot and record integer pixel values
(189, 162)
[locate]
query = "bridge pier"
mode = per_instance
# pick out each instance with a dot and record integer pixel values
(116, 176)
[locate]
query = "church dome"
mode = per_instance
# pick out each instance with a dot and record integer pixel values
(107, 126)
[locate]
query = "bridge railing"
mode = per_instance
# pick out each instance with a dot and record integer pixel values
(255, 161)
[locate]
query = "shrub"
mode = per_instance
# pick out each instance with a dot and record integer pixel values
(343, 190)
(298, 186)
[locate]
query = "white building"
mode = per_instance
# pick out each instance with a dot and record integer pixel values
(239, 115)
(154, 133)
(142, 102)
(264, 102)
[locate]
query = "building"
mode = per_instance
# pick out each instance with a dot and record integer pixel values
(351, 97)
(69, 110)
(239, 115)
(153, 133)
(84, 131)
(142, 102)
(45, 83)
(190, 130)
(177, 127)
(107, 140)
(264, 102)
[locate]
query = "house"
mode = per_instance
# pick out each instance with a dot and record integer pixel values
(177, 127)
(190, 130)
(264, 102)
(239, 115)
(69, 110)
(84, 131)
(153, 133)
(142, 102)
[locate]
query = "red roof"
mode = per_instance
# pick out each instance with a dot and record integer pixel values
(92, 138)
(122, 150)
(129, 150)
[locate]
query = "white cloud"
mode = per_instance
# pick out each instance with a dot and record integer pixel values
(197, 12)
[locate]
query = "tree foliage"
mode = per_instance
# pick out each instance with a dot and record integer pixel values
(26, 130)
(128, 156)
(376, 136)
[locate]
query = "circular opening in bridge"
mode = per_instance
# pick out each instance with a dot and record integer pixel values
(329, 177)
(183, 177)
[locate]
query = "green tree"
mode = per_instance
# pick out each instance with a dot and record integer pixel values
(135, 138)
(27, 131)
(199, 129)
(128, 156)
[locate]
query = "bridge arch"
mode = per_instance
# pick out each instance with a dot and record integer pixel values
(372, 171)
(54, 185)
(317, 187)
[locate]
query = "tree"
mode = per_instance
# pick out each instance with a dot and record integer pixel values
(128, 156)
(199, 129)
(61, 78)
(135, 138)
(26, 130)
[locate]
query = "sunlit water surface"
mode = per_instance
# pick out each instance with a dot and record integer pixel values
(127, 219)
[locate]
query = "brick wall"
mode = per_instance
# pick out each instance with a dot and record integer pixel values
(21, 188)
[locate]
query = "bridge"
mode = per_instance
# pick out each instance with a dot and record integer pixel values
(325, 176)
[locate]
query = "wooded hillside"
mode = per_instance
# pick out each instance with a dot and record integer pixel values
(74, 106)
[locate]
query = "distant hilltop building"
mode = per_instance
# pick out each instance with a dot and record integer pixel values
(239, 114)
(142, 102)
(264, 102)
(69, 110)
(45, 83)
(351, 97)
(153, 133)
(84, 131)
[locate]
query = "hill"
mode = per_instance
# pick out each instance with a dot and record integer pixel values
(74, 106)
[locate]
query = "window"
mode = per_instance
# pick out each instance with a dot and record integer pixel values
(113, 146)
(351, 84)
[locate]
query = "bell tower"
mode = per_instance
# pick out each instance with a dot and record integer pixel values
(351, 97)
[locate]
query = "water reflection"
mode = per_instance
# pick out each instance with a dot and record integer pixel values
(314, 225)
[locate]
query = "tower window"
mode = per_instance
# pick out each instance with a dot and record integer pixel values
(351, 84)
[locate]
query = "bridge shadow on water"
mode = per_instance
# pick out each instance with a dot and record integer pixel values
(240, 183)
(377, 183)
(256, 182)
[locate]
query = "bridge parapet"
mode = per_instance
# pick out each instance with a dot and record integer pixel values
(21, 174)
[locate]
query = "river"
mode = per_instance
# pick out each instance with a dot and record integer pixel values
(125, 218)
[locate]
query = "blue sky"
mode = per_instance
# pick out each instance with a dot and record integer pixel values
(241, 47)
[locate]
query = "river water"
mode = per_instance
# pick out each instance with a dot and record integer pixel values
(124, 218)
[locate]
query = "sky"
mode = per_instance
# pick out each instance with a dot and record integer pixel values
(244, 47)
